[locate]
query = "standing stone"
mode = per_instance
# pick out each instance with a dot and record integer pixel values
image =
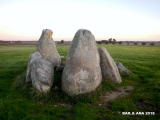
(32, 58)
(108, 66)
(47, 48)
(122, 69)
(42, 75)
(82, 72)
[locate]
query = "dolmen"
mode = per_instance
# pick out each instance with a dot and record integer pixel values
(84, 70)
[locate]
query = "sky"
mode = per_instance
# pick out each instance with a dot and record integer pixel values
(124, 20)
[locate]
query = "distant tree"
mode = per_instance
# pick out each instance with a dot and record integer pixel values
(143, 43)
(99, 42)
(62, 41)
(120, 42)
(151, 44)
(114, 41)
(110, 40)
(17, 41)
(135, 43)
(127, 43)
(104, 41)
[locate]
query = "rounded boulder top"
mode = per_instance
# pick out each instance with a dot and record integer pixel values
(84, 31)
(47, 34)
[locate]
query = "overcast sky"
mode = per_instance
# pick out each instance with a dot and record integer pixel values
(119, 19)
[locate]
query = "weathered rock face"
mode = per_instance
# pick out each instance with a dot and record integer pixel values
(82, 72)
(108, 66)
(32, 58)
(47, 48)
(42, 75)
(122, 69)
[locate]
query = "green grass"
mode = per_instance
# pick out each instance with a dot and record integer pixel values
(19, 101)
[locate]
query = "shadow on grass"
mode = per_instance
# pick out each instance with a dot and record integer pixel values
(56, 94)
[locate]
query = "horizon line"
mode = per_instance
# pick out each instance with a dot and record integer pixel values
(95, 40)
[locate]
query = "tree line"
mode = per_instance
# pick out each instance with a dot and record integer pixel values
(109, 41)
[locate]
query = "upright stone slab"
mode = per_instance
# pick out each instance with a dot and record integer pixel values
(42, 75)
(122, 69)
(108, 66)
(32, 58)
(82, 72)
(47, 48)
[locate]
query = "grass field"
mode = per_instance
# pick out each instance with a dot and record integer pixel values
(18, 101)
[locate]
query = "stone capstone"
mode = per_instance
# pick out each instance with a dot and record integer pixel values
(108, 66)
(47, 48)
(82, 72)
(42, 75)
(32, 58)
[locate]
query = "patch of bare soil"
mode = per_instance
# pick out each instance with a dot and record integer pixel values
(106, 97)
(64, 105)
(112, 95)
(146, 105)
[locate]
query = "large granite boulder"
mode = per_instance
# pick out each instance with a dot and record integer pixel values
(42, 75)
(82, 72)
(108, 66)
(47, 48)
(32, 58)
